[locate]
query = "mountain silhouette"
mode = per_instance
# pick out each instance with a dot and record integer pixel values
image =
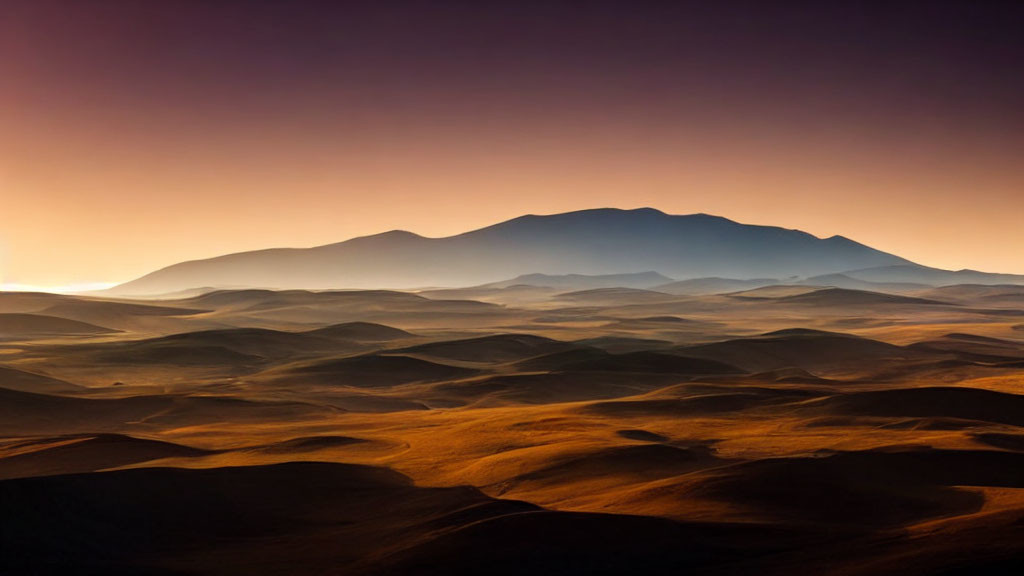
(593, 242)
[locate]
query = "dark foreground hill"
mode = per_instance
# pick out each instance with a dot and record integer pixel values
(351, 519)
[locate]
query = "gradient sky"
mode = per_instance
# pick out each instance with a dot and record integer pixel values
(135, 134)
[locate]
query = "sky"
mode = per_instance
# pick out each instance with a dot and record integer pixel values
(134, 135)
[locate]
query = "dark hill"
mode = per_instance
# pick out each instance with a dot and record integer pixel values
(796, 348)
(361, 332)
(496, 348)
(18, 325)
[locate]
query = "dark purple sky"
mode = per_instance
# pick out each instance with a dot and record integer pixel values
(138, 133)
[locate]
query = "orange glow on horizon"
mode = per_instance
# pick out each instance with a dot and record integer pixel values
(110, 169)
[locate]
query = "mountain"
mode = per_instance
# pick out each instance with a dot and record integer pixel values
(903, 273)
(591, 242)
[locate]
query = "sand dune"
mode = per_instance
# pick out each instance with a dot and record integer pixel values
(843, 297)
(371, 371)
(358, 299)
(790, 376)
(172, 520)
(716, 434)
(799, 348)
(18, 325)
(545, 388)
(11, 302)
(32, 413)
(650, 362)
(247, 342)
(515, 294)
(723, 402)
(623, 344)
(304, 308)
(931, 402)
(699, 286)
(83, 453)
(24, 413)
(584, 281)
(637, 462)
(361, 332)
(496, 348)
(175, 351)
(597, 544)
(972, 347)
(614, 295)
(310, 443)
(1013, 442)
(642, 436)
(866, 488)
(14, 379)
(773, 291)
(118, 314)
(327, 517)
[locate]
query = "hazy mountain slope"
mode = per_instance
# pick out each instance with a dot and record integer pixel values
(932, 276)
(592, 242)
(695, 286)
(848, 282)
(582, 281)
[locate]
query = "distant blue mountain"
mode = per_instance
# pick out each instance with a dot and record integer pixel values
(592, 242)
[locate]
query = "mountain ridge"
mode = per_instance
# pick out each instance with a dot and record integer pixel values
(602, 241)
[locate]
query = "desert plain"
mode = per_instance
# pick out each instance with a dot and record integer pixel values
(691, 428)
